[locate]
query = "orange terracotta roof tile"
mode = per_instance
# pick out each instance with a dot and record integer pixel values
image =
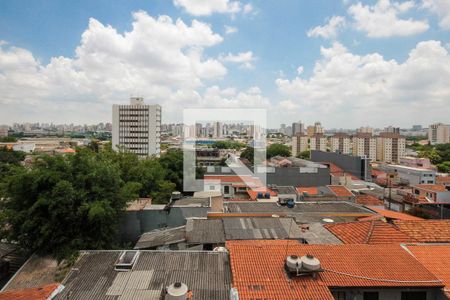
(311, 190)
(389, 214)
(432, 187)
(344, 266)
(37, 293)
(436, 259)
(426, 231)
(253, 193)
(368, 232)
(443, 179)
(368, 200)
(340, 190)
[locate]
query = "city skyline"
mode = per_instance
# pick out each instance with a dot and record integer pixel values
(324, 60)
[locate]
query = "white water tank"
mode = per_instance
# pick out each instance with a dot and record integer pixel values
(293, 263)
(220, 249)
(177, 291)
(310, 263)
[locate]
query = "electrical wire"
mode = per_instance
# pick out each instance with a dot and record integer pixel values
(383, 279)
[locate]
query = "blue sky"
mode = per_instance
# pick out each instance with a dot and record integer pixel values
(366, 77)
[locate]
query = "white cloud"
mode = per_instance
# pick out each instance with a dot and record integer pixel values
(230, 29)
(248, 8)
(351, 89)
(382, 19)
(300, 70)
(289, 106)
(441, 8)
(159, 58)
(229, 97)
(244, 59)
(208, 7)
(330, 30)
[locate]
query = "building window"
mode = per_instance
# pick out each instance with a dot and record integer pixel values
(414, 295)
(226, 189)
(339, 295)
(370, 296)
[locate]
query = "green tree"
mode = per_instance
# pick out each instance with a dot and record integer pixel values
(278, 150)
(65, 203)
(304, 154)
(248, 154)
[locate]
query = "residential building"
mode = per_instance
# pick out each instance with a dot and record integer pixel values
(416, 162)
(392, 129)
(318, 129)
(24, 147)
(340, 142)
(439, 133)
(390, 147)
(432, 192)
(299, 144)
(343, 272)
(298, 127)
(136, 127)
(425, 231)
(310, 130)
(318, 142)
(365, 129)
(410, 175)
(364, 144)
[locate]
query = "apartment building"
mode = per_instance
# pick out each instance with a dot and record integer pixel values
(297, 127)
(364, 144)
(390, 147)
(136, 127)
(299, 144)
(340, 142)
(318, 142)
(218, 130)
(439, 134)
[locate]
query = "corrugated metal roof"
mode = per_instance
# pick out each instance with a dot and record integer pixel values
(203, 231)
(300, 207)
(207, 275)
(161, 237)
(260, 228)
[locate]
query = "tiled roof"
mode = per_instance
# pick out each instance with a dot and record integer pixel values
(36, 293)
(368, 200)
(443, 179)
(426, 231)
(344, 266)
(432, 187)
(390, 214)
(436, 259)
(253, 193)
(368, 232)
(340, 190)
(311, 190)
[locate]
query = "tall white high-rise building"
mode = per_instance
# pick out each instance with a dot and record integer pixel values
(318, 142)
(298, 127)
(137, 127)
(299, 144)
(364, 144)
(390, 147)
(439, 134)
(218, 130)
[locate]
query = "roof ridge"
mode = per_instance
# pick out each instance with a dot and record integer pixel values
(369, 234)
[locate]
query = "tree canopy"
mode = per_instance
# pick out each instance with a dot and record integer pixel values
(61, 204)
(278, 150)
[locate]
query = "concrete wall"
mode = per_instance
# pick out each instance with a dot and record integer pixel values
(354, 165)
(135, 223)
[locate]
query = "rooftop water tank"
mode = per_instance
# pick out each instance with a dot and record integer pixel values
(177, 291)
(293, 263)
(310, 263)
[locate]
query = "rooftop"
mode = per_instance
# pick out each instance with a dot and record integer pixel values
(204, 231)
(340, 190)
(368, 232)
(390, 214)
(37, 293)
(435, 259)
(313, 190)
(365, 199)
(344, 266)
(432, 187)
(207, 275)
(426, 231)
(161, 237)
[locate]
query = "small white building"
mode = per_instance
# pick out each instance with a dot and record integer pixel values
(25, 147)
(413, 176)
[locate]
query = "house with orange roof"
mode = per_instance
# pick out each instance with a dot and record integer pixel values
(368, 232)
(425, 231)
(289, 270)
(431, 193)
(231, 185)
(366, 199)
(436, 259)
(342, 192)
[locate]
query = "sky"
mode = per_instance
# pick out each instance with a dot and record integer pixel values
(345, 63)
